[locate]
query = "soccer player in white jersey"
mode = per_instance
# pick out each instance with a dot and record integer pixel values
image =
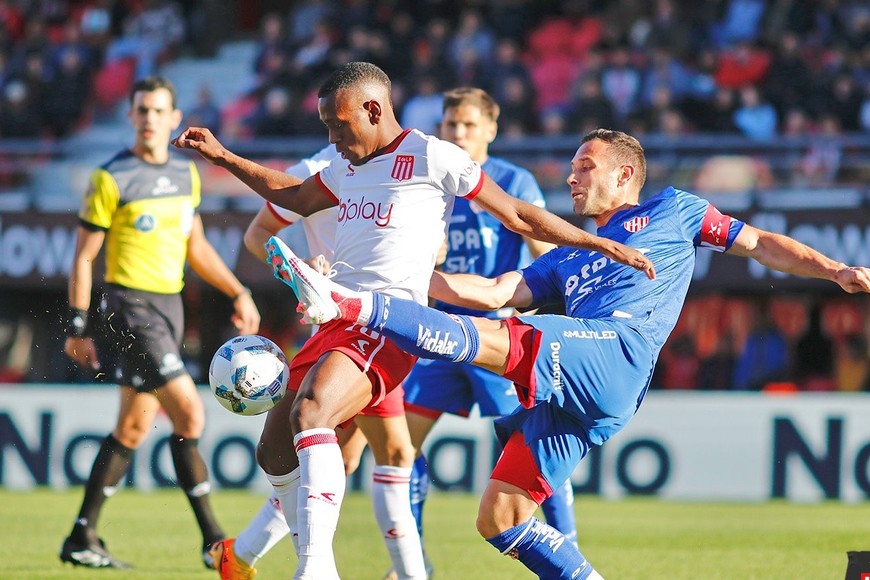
(394, 189)
(383, 425)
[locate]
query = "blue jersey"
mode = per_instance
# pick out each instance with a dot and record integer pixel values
(478, 243)
(668, 228)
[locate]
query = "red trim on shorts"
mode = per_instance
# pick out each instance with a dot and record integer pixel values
(317, 439)
(525, 342)
(473, 193)
(326, 190)
(275, 213)
(392, 405)
(516, 466)
(423, 411)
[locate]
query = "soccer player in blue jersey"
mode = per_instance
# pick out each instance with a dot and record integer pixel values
(477, 243)
(579, 377)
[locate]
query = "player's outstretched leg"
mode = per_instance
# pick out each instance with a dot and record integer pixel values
(311, 288)
(559, 511)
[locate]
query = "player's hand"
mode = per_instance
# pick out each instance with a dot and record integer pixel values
(82, 351)
(854, 279)
(246, 318)
(630, 257)
(202, 141)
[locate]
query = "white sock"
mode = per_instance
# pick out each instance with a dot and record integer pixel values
(286, 490)
(266, 529)
(320, 495)
(391, 500)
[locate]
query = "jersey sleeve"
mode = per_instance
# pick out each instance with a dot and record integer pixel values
(453, 169)
(705, 225)
(303, 169)
(100, 201)
(327, 177)
(540, 277)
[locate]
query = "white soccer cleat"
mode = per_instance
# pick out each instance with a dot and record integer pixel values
(312, 288)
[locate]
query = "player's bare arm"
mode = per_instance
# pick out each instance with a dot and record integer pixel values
(206, 262)
(264, 225)
(532, 221)
(287, 191)
(785, 254)
(480, 293)
(81, 349)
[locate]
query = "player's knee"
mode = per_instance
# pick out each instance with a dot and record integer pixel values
(487, 526)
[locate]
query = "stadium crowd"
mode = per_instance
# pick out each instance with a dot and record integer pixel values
(761, 69)
(749, 67)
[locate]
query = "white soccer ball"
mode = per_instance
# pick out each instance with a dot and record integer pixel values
(248, 374)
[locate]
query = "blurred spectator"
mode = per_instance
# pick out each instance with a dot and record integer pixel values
(276, 115)
(621, 84)
(741, 23)
(852, 366)
(590, 109)
(423, 110)
(813, 366)
(205, 113)
(821, 163)
(507, 65)
(664, 71)
(19, 114)
(716, 372)
(149, 35)
(681, 364)
(270, 43)
(518, 114)
(864, 114)
(764, 358)
(741, 66)
(471, 36)
(845, 103)
(755, 118)
(789, 75)
(304, 18)
(66, 93)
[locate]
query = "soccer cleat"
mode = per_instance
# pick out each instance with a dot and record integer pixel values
(312, 288)
(90, 555)
(227, 564)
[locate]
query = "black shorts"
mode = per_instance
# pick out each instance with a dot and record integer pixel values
(141, 337)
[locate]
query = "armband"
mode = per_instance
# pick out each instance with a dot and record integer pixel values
(77, 322)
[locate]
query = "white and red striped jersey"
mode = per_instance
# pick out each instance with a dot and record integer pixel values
(393, 212)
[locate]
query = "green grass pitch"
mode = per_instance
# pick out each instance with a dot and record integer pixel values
(644, 539)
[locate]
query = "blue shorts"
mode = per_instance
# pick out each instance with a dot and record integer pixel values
(595, 370)
(454, 388)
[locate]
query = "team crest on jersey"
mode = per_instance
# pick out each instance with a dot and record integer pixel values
(403, 168)
(636, 224)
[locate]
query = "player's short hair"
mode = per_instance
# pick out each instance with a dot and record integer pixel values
(471, 96)
(353, 74)
(152, 83)
(626, 150)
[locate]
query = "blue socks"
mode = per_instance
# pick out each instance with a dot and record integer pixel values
(544, 551)
(423, 331)
(419, 490)
(559, 511)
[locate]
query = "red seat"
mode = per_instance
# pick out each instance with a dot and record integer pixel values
(112, 82)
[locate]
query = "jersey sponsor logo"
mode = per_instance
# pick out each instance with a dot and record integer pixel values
(361, 346)
(435, 343)
(145, 223)
(714, 229)
(593, 334)
(352, 209)
(164, 187)
(403, 167)
(636, 224)
(324, 496)
(555, 347)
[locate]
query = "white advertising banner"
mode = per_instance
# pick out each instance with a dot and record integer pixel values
(682, 446)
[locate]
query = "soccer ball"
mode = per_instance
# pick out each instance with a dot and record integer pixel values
(248, 375)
